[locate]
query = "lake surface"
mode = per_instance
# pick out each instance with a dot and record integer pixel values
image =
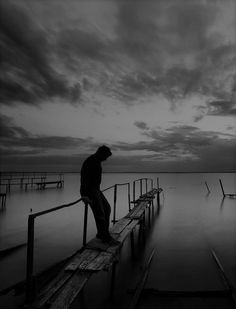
(190, 223)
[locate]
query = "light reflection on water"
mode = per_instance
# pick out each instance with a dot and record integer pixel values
(189, 224)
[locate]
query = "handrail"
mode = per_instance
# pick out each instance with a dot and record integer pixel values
(31, 221)
(107, 188)
(141, 186)
(40, 213)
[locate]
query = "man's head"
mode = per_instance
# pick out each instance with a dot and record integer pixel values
(103, 152)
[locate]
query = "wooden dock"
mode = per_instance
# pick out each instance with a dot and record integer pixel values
(26, 181)
(95, 256)
(42, 185)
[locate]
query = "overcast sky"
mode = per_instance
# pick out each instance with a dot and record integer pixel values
(154, 80)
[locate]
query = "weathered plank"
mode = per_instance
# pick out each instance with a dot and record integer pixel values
(101, 262)
(127, 231)
(138, 211)
(93, 254)
(66, 296)
(84, 256)
(63, 276)
(119, 226)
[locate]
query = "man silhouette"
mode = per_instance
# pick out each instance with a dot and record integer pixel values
(91, 176)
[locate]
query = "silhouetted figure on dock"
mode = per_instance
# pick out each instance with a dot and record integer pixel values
(91, 176)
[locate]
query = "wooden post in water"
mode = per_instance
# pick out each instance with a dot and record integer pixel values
(30, 261)
(222, 187)
(133, 191)
(158, 193)
(207, 187)
(114, 208)
(141, 186)
(85, 223)
(129, 196)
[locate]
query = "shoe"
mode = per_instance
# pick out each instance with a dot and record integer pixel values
(108, 239)
(113, 242)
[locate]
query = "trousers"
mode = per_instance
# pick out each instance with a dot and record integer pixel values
(101, 210)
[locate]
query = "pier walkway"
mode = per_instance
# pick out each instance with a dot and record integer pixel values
(95, 256)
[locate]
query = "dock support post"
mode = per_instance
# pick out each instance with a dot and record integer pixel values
(85, 223)
(132, 244)
(149, 214)
(133, 191)
(113, 274)
(114, 206)
(208, 190)
(141, 186)
(129, 196)
(30, 261)
(222, 187)
(158, 193)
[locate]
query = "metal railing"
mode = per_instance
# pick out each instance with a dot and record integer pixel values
(141, 180)
(30, 278)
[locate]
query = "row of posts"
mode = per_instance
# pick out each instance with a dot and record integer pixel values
(29, 181)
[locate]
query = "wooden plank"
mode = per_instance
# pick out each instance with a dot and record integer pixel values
(135, 210)
(127, 231)
(120, 225)
(139, 210)
(93, 254)
(58, 282)
(64, 298)
(102, 262)
(77, 260)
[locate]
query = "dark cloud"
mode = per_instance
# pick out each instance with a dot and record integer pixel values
(188, 26)
(82, 44)
(141, 125)
(146, 54)
(179, 148)
(137, 31)
(26, 73)
(182, 143)
(222, 108)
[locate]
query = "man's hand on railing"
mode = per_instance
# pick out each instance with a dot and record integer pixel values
(86, 199)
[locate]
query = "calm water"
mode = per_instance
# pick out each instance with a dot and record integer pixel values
(190, 222)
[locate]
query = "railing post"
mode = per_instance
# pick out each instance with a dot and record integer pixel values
(114, 208)
(158, 193)
(85, 223)
(30, 261)
(133, 190)
(152, 184)
(141, 187)
(146, 185)
(129, 196)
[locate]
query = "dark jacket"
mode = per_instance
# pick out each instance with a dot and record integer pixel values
(91, 175)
